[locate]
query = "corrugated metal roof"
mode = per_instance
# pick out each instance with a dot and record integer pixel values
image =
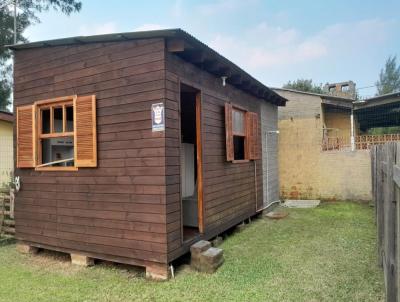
(6, 116)
(246, 83)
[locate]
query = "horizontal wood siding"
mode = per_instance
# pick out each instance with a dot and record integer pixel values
(119, 210)
(229, 188)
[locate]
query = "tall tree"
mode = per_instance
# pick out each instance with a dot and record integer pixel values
(27, 15)
(304, 85)
(389, 77)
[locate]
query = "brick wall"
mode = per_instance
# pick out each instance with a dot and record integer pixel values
(306, 172)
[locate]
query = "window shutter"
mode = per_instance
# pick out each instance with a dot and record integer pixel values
(228, 132)
(26, 121)
(253, 140)
(85, 131)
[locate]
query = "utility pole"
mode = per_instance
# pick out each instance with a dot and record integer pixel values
(15, 21)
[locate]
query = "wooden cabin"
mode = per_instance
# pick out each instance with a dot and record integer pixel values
(131, 147)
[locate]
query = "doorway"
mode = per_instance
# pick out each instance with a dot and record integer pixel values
(191, 162)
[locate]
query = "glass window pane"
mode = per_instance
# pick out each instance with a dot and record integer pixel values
(238, 121)
(58, 119)
(70, 119)
(238, 147)
(45, 121)
(58, 149)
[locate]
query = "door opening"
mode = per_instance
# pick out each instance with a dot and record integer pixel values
(191, 168)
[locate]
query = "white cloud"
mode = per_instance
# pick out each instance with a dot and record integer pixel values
(266, 46)
(177, 9)
(97, 29)
(148, 26)
(223, 6)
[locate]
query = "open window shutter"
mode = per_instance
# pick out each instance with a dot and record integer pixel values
(85, 131)
(26, 121)
(228, 132)
(253, 140)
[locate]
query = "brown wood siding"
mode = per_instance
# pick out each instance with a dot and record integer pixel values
(229, 188)
(117, 211)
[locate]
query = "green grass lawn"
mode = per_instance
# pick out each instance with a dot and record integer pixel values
(322, 254)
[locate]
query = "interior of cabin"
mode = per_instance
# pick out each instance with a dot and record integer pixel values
(189, 164)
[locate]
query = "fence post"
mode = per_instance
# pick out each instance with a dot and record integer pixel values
(390, 225)
(379, 201)
(397, 198)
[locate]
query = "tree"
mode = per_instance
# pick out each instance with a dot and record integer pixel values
(304, 85)
(27, 15)
(389, 77)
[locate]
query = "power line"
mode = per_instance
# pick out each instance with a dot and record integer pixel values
(367, 87)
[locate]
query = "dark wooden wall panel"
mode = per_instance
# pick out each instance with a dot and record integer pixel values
(118, 210)
(229, 189)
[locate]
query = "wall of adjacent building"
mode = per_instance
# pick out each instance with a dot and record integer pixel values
(6, 152)
(339, 123)
(269, 140)
(307, 172)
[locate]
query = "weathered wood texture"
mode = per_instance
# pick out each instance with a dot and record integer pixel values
(232, 191)
(386, 194)
(117, 211)
(128, 209)
(7, 222)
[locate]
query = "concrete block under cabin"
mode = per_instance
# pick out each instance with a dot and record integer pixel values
(195, 252)
(140, 99)
(205, 258)
(211, 260)
(81, 260)
(158, 271)
(27, 249)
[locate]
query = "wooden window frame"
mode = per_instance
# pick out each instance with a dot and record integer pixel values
(63, 102)
(248, 154)
(240, 134)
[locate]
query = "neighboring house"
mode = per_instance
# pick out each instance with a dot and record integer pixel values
(6, 148)
(324, 142)
(177, 155)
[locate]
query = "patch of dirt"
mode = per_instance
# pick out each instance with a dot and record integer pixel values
(52, 261)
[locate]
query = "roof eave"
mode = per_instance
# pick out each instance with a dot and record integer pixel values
(227, 68)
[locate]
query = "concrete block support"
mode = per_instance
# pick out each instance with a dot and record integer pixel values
(206, 258)
(81, 260)
(196, 250)
(157, 271)
(211, 260)
(27, 249)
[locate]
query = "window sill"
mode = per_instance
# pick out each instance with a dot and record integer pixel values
(240, 161)
(56, 169)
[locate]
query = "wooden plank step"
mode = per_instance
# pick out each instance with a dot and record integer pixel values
(9, 222)
(9, 230)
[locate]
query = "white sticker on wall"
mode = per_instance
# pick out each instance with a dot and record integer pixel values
(157, 117)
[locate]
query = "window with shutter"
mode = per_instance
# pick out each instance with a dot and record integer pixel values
(26, 136)
(85, 131)
(242, 134)
(58, 134)
(228, 132)
(252, 135)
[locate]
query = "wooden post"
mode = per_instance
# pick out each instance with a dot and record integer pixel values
(390, 224)
(199, 151)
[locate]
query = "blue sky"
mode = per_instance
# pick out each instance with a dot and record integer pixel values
(275, 41)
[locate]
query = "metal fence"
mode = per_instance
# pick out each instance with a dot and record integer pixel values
(385, 161)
